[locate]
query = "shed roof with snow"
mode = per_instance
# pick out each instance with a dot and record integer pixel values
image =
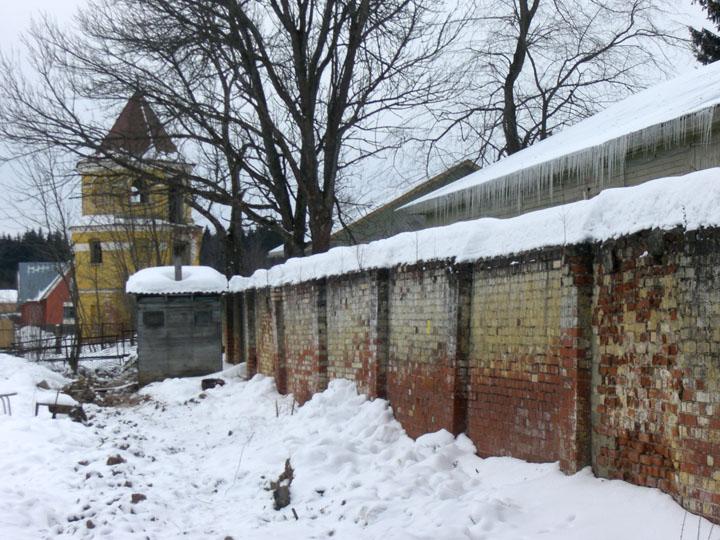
(160, 280)
(656, 118)
(8, 296)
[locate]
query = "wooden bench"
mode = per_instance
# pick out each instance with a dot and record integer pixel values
(60, 404)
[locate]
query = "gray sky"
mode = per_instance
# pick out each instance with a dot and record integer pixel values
(15, 17)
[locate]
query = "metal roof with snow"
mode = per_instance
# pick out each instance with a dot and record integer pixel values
(34, 279)
(662, 115)
(8, 296)
(160, 280)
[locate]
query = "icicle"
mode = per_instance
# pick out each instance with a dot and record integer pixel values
(593, 167)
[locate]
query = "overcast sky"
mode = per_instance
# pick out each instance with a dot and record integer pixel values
(15, 17)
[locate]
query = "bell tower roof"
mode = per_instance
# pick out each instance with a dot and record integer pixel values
(138, 130)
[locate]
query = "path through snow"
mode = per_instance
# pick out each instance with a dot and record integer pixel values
(204, 465)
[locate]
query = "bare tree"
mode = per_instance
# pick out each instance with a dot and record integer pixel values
(48, 189)
(536, 66)
(275, 98)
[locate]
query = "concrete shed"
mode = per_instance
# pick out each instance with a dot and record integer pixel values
(179, 321)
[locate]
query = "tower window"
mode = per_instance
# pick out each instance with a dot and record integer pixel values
(138, 192)
(95, 252)
(175, 206)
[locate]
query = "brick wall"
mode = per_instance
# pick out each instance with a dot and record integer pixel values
(605, 355)
(656, 317)
(422, 361)
(305, 339)
(266, 342)
(247, 335)
(357, 330)
(515, 358)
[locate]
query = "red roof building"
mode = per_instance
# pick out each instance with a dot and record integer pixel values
(50, 305)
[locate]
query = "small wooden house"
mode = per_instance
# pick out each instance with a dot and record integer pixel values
(43, 295)
(178, 320)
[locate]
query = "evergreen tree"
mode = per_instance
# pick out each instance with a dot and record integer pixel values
(706, 44)
(31, 246)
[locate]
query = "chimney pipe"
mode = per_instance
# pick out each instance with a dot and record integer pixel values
(178, 267)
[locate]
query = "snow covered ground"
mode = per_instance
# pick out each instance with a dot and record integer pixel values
(204, 463)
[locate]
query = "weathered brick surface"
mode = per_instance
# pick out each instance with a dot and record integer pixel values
(249, 333)
(357, 330)
(422, 363)
(575, 359)
(304, 335)
(656, 318)
(515, 382)
(265, 338)
(607, 355)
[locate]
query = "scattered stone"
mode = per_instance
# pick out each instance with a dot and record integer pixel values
(203, 395)
(128, 484)
(43, 384)
(77, 414)
(281, 487)
(89, 524)
(117, 459)
(137, 497)
(207, 384)
(81, 390)
(84, 463)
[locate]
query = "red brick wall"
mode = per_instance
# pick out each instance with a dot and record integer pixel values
(305, 352)
(357, 331)
(607, 355)
(422, 362)
(515, 381)
(265, 337)
(656, 315)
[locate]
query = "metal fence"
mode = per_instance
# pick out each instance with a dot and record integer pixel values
(58, 344)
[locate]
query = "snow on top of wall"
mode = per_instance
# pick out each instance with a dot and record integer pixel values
(661, 115)
(161, 280)
(8, 296)
(691, 201)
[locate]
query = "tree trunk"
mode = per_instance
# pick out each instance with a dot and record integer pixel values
(321, 225)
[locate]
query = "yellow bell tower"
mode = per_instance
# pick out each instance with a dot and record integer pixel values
(132, 217)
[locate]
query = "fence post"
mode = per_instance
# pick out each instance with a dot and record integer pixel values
(58, 339)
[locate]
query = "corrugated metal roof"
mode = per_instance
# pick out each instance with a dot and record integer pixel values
(34, 278)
